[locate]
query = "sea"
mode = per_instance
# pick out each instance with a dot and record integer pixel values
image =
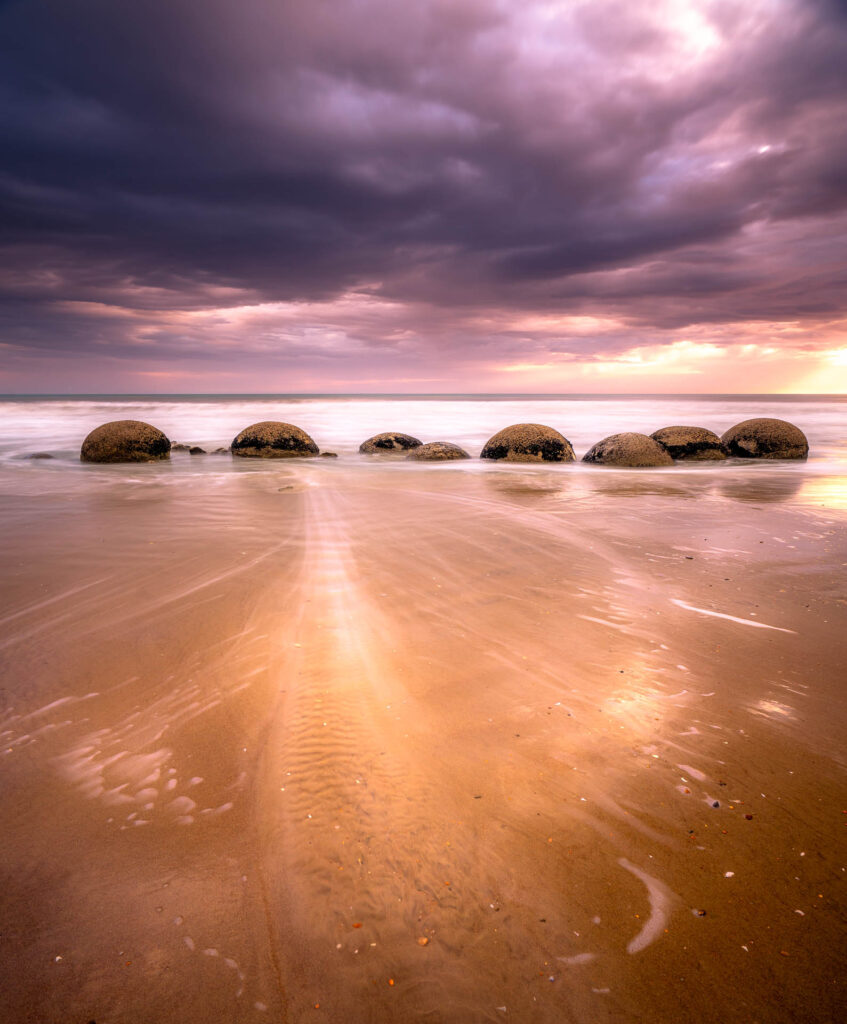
(57, 424)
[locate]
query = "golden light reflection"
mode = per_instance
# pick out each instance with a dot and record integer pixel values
(830, 491)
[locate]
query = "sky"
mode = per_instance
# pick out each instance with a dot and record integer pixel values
(428, 196)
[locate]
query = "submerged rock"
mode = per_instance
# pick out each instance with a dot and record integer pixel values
(39, 455)
(528, 442)
(125, 441)
(390, 442)
(437, 451)
(690, 443)
(180, 447)
(628, 449)
(221, 451)
(766, 439)
(329, 455)
(271, 439)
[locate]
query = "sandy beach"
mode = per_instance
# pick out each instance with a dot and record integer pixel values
(392, 746)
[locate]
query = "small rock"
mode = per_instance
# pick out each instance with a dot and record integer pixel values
(329, 455)
(196, 450)
(40, 455)
(423, 941)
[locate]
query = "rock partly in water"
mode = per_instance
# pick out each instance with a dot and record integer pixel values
(528, 442)
(221, 451)
(195, 449)
(766, 439)
(693, 444)
(390, 442)
(329, 455)
(39, 455)
(633, 450)
(180, 447)
(271, 439)
(437, 451)
(125, 441)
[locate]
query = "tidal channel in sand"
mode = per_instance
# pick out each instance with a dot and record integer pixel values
(312, 742)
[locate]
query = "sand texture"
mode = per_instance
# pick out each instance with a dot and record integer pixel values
(268, 755)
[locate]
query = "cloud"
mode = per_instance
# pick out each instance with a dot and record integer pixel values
(416, 180)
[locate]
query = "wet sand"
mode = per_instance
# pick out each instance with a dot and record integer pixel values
(312, 744)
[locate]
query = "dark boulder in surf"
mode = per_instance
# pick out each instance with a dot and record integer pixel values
(635, 451)
(528, 442)
(379, 444)
(125, 441)
(766, 439)
(437, 451)
(691, 444)
(271, 439)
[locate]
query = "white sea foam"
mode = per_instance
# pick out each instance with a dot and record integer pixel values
(731, 618)
(661, 899)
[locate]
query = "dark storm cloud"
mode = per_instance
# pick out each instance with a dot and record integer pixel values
(452, 156)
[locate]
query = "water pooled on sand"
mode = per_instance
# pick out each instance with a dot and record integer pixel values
(264, 743)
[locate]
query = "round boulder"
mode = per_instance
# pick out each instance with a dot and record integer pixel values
(528, 442)
(125, 441)
(693, 444)
(633, 450)
(437, 451)
(390, 442)
(766, 439)
(271, 439)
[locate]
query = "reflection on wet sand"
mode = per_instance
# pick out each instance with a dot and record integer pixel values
(400, 746)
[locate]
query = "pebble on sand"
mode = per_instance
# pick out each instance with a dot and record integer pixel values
(628, 450)
(272, 439)
(693, 444)
(125, 441)
(766, 439)
(528, 442)
(438, 451)
(391, 441)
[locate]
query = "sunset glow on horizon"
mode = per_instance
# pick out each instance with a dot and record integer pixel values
(475, 196)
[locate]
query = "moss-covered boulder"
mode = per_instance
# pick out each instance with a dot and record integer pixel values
(437, 451)
(271, 439)
(528, 442)
(766, 439)
(125, 441)
(392, 441)
(630, 450)
(690, 444)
